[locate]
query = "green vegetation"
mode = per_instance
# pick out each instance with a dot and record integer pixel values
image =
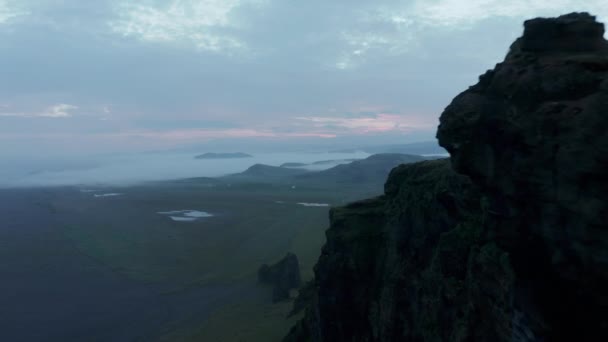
(247, 320)
(252, 224)
(128, 234)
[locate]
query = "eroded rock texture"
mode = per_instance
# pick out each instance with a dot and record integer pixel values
(533, 134)
(509, 240)
(410, 265)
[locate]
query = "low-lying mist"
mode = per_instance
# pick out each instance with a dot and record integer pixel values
(129, 169)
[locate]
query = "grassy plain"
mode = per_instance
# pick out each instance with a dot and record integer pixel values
(252, 224)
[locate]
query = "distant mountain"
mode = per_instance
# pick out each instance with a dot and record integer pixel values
(371, 170)
(266, 173)
(320, 163)
(334, 161)
(293, 164)
(236, 155)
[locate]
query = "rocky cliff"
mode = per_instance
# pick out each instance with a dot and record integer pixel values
(509, 240)
(284, 276)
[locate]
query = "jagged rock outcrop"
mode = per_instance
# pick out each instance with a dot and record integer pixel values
(407, 265)
(509, 241)
(284, 276)
(533, 134)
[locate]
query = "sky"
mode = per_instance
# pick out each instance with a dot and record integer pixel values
(85, 77)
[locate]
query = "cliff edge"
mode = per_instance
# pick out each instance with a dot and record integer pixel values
(509, 240)
(533, 134)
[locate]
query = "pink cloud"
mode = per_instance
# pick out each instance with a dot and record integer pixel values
(383, 122)
(374, 120)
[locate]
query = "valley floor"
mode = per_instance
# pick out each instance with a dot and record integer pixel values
(79, 265)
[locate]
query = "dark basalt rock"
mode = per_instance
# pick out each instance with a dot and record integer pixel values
(509, 240)
(407, 265)
(283, 276)
(533, 134)
(574, 32)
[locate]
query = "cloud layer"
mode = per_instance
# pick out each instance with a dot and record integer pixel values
(150, 74)
(61, 110)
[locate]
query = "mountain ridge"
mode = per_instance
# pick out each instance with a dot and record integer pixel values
(368, 171)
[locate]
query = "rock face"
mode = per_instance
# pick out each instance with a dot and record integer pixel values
(283, 276)
(509, 241)
(533, 134)
(405, 266)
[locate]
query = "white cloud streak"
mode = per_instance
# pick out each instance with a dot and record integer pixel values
(408, 21)
(10, 10)
(181, 20)
(61, 110)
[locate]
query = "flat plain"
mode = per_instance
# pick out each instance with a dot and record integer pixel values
(81, 263)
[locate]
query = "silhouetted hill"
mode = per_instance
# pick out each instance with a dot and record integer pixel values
(370, 171)
(373, 169)
(266, 174)
(293, 164)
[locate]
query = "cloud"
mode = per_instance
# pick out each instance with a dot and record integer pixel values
(10, 10)
(157, 70)
(463, 14)
(61, 110)
(379, 123)
(391, 28)
(361, 43)
(197, 22)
